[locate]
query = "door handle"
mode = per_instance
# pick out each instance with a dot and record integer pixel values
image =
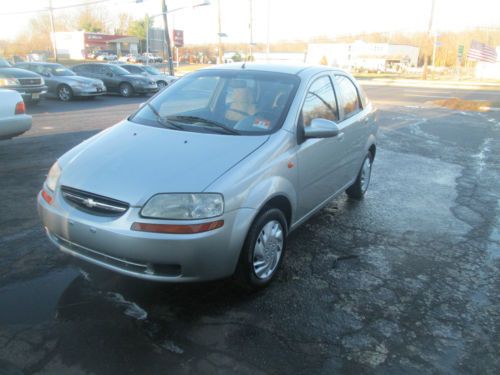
(340, 136)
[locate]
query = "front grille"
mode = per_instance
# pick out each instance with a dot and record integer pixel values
(93, 203)
(30, 81)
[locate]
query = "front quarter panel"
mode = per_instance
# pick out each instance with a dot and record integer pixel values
(268, 172)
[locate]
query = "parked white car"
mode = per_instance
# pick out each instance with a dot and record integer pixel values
(13, 118)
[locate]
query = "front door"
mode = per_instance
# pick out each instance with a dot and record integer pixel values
(319, 164)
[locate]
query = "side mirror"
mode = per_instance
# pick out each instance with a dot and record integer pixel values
(321, 128)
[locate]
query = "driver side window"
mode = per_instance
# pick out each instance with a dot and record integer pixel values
(320, 102)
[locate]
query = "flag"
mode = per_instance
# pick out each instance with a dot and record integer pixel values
(481, 52)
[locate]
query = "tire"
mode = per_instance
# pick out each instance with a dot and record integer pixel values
(64, 93)
(358, 189)
(161, 84)
(126, 89)
(256, 269)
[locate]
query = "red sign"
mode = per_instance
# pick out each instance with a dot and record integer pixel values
(179, 38)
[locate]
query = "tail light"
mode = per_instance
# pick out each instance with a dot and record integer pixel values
(20, 108)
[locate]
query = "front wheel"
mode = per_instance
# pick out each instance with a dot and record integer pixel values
(263, 250)
(64, 93)
(360, 186)
(161, 84)
(126, 89)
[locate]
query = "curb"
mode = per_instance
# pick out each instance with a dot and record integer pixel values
(436, 85)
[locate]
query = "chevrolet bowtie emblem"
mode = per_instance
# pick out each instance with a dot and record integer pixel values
(89, 202)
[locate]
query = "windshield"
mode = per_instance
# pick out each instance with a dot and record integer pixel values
(61, 71)
(240, 102)
(4, 64)
(151, 70)
(118, 70)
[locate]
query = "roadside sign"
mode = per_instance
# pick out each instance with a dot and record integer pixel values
(179, 38)
(460, 52)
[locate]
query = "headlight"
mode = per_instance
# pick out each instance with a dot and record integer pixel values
(184, 206)
(53, 176)
(6, 82)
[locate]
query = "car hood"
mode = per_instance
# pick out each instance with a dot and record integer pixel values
(17, 73)
(132, 162)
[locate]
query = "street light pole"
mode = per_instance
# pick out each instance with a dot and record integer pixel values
(54, 43)
(167, 39)
(429, 29)
(219, 32)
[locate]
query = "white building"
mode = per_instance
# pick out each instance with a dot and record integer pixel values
(361, 55)
(487, 70)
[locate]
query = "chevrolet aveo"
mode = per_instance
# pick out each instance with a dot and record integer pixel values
(208, 178)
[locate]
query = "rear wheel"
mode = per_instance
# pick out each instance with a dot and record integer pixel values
(360, 186)
(126, 89)
(64, 93)
(263, 250)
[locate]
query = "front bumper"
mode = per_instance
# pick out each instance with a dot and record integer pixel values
(110, 243)
(31, 93)
(144, 89)
(91, 91)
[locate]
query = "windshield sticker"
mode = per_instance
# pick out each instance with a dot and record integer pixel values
(262, 123)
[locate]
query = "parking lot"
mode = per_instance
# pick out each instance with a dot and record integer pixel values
(405, 281)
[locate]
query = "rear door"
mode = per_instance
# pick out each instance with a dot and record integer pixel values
(353, 123)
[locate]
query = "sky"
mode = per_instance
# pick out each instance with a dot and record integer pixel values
(288, 19)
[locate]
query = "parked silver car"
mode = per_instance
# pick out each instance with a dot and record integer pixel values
(161, 79)
(209, 177)
(13, 118)
(64, 83)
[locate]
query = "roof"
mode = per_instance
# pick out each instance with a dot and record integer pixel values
(292, 68)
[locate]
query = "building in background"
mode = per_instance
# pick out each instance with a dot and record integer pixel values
(489, 69)
(78, 45)
(362, 56)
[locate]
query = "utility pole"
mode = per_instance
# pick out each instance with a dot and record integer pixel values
(429, 29)
(167, 39)
(268, 49)
(54, 44)
(219, 33)
(250, 26)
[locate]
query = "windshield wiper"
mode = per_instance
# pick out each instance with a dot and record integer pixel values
(210, 123)
(162, 120)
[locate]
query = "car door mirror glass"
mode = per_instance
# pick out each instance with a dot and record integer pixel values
(321, 128)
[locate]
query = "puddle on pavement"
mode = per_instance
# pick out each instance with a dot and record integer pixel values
(34, 301)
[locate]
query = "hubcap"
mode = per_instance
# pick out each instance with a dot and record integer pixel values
(366, 172)
(64, 93)
(268, 249)
(161, 85)
(125, 90)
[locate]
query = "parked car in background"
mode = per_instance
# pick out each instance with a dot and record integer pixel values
(131, 57)
(63, 83)
(208, 178)
(161, 79)
(30, 85)
(106, 57)
(151, 58)
(13, 118)
(117, 79)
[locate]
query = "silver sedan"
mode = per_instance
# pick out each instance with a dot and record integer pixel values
(63, 83)
(209, 177)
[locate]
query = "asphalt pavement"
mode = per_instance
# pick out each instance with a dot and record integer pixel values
(405, 281)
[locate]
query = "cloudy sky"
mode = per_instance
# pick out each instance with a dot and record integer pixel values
(288, 19)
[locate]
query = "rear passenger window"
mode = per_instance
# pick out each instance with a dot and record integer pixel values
(320, 102)
(348, 96)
